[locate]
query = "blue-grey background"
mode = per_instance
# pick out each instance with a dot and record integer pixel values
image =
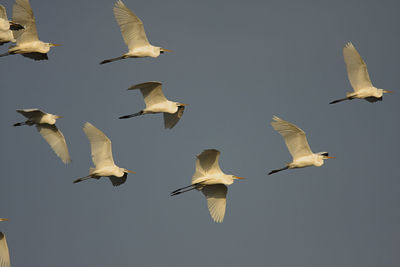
(236, 63)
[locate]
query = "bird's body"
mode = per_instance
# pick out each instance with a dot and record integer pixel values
(135, 38)
(7, 27)
(212, 182)
(4, 253)
(156, 102)
(28, 43)
(102, 158)
(297, 144)
(45, 124)
(357, 73)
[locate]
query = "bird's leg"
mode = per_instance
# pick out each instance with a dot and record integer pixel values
(181, 190)
(340, 100)
(278, 170)
(132, 115)
(82, 179)
(20, 124)
(113, 59)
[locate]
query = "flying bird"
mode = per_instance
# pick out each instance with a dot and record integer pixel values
(45, 124)
(157, 103)
(28, 43)
(7, 27)
(359, 79)
(296, 142)
(4, 254)
(102, 158)
(135, 38)
(212, 182)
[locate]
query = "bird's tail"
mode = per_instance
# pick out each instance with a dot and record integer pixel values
(184, 189)
(82, 179)
(340, 100)
(278, 170)
(20, 124)
(112, 59)
(132, 115)
(5, 54)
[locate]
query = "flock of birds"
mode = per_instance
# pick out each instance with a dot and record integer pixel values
(208, 177)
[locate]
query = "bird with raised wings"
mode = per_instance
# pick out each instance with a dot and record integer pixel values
(156, 102)
(296, 142)
(357, 73)
(4, 254)
(102, 158)
(135, 38)
(28, 43)
(7, 27)
(212, 182)
(45, 124)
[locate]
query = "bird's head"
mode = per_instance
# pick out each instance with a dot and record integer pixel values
(162, 50)
(325, 155)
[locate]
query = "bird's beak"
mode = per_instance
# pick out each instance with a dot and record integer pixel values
(330, 157)
(59, 117)
(165, 50)
(237, 177)
(386, 91)
(2, 219)
(55, 45)
(183, 104)
(130, 171)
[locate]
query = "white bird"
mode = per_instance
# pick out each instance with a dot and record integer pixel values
(4, 254)
(212, 182)
(28, 43)
(359, 79)
(296, 142)
(102, 158)
(45, 124)
(157, 103)
(135, 38)
(7, 27)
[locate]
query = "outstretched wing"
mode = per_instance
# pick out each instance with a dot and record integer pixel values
(170, 120)
(23, 14)
(131, 26)
(356, 68)
(31, 113)
(207, 163)
(151, 91)
(56, 140)
(295, 138)
(216, 200)
(100, 146)
(3, 13)
(4, 254)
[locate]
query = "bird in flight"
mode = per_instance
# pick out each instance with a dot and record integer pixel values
(359, 79)
(45, 124)
(7, 27)
(135, 38)
(4, 254)
(102, 158)
(157, 103)
(296, 142)
(212, 182)
(28, 43)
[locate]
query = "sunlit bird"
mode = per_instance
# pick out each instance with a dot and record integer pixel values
(135, 38)
(102, 158)
(296, 142)
(4, 254)
(28, 43)
(7, 27)
(212, 182)
(157, 103)
(45, 124)
(359, 79)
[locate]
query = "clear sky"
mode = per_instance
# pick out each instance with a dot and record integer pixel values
(236, 63)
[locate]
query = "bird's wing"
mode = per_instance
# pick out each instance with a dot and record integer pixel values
(3, 12)
(295, 138)
(116, 181)
(36, 56)
(151, 91)
(356, 68)
(131, 26)
(23, 14)
(100, 146)
(170, 120)
(207, 163)
(56, 140)
(31, 113)
(4, 254)
(216, 200)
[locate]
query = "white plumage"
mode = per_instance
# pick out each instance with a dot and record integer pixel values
(7, 27)
(4, 253)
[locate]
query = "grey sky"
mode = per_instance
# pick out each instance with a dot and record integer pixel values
(236, 63)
